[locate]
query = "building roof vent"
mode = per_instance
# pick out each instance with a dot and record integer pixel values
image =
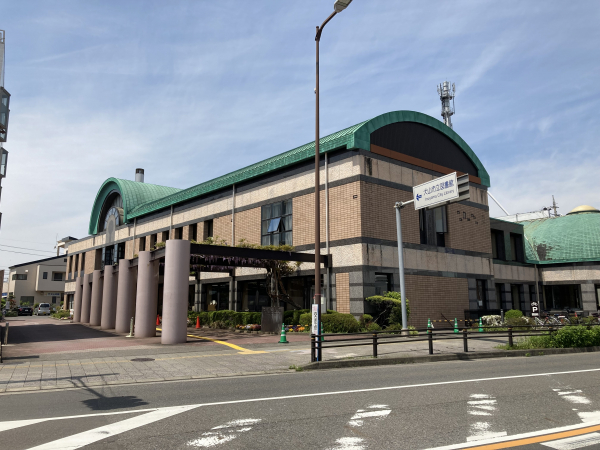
(139, 175)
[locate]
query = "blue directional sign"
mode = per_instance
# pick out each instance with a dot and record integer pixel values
(439, 190)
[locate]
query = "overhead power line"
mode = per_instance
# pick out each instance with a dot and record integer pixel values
(23, 248)
(23, 253)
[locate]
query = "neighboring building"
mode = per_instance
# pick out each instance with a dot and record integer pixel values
(4, 113)
(40, 281)
(365, 169)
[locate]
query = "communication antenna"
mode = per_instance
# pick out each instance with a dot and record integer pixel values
(447, 94)
(554, 206)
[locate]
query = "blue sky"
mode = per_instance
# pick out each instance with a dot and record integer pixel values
(190, 90)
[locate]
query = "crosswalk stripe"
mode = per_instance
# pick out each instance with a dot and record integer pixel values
(575, 442)
(97, 434)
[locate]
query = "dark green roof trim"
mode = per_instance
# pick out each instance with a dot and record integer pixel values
(133, 194)
(356, 136)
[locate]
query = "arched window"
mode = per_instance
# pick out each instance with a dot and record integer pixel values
(112, 208)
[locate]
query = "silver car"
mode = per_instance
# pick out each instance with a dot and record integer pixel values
(43, 309)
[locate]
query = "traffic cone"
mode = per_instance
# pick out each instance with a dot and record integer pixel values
(480, 326)
(198, 322)
(283, 340)
(429, 325)
(455, 325)
(322, 338)
(157, 320)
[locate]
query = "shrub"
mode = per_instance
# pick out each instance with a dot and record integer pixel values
(293, 317)
(333, 323)
(372, 326)
(365, 320)
(398, 327)
(491, 321)
(566, 337)
(389, 308)
(512, 314)
(331, 311)
(11, 313)
(61, 313)
(223, 318)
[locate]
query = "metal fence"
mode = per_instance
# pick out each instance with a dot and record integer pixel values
(377, 338)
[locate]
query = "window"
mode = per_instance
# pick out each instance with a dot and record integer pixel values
(164, 236)
(57, 276)
(383, 283)
(498, 245)
(516, 247)
(532, 296)
(499, 295)
(217, 296)
(276, 226)
(142, 245)
(83, 262)
(120, 252)
(19, 276)
(45, 275)
(54, 299)
(152, 241)
(481, 294)
(433, 226)
(562, 296)
(26, 300)
(178, 233)
(208, 229)
(193, 232)
(515, 292)
(254, 295)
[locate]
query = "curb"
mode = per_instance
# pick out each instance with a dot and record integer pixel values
(340, 364)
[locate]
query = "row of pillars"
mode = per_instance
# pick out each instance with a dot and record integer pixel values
(112, 302)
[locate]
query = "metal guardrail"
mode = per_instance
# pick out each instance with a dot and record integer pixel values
(318, 342)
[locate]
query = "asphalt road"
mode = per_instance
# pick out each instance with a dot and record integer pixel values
(465, 404)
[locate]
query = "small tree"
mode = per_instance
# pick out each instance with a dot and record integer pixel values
(389, 308)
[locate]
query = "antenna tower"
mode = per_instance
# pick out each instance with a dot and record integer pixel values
(447, 94)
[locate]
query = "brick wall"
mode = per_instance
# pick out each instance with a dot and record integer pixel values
(90, 261)
(222, 228)
(129, 249)
(342, 292)
(378, 215)
(430, 296)
(247, 226)
(468, 228)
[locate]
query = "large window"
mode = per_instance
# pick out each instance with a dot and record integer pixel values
(26, 300)
(217, 296)
(19, 276)
(481, 294)
(57, 276)
(254, 296)
(515, 292)
(383, 283)
(276, 226)
(498, 245)
(433, 226)
(516, 247)
(563, 296)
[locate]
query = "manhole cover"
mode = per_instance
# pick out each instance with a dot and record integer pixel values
(142, 359)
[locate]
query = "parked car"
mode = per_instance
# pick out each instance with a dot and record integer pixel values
(24, 311)
(43, 309)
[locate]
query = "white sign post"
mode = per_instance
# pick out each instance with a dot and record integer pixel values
(440, 190)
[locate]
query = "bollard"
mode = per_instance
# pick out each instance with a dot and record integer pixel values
(465, 341)
(312, 348)
(6, 333)
(480, 326)
(430, 339)
(130, 328)
(374, 345)
(510, 337)
(455, 325)
(283, 339)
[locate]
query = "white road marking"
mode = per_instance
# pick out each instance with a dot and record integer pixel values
(482, 405)
(573, 396)
(97, 434)
(574, 442)
(224, 433)
(516, 436)
(4, 426)
(376, 411)
(349, 443)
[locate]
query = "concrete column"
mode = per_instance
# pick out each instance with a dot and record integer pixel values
(146, 304)
(109, 299)
(77, 300)
(96, 303)
(232, 303)
(125, 296)
(175, 294)
(86, 297)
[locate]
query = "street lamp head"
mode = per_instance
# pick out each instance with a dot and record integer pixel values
(341, 5)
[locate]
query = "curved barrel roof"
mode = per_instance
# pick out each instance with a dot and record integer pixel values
(355, 137)
(133, 194)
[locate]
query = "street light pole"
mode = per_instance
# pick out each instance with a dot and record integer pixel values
(338, 6)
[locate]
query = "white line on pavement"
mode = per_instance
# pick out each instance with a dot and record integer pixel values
(97, 434)
(574, 442)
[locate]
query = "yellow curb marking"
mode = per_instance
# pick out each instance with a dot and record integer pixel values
(244, 351)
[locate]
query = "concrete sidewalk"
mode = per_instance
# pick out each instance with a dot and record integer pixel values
(51, 354)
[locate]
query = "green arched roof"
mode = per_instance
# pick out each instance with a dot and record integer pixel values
(355, 137)
(133, 194)
(565, 239)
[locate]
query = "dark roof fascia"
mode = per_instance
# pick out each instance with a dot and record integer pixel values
(38, 261)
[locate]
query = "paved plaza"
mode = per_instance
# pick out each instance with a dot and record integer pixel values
(44, 353)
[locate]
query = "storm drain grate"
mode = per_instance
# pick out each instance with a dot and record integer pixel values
(142, 359)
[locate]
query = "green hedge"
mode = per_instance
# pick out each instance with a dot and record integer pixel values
(512, 314)
(389, 308)
(334, 323)
(224, 318)
(567, 337)
(293, 317)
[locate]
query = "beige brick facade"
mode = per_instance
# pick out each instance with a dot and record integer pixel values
(430, 297)
(468, 228)
(342, 290)
(247, 226)
(222, 228)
